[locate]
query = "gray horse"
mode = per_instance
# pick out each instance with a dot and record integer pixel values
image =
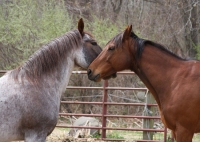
(30, 94)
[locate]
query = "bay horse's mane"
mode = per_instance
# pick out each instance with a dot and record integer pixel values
(48, 57)
(140, 44)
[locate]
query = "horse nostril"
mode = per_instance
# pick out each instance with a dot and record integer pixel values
(89, 72)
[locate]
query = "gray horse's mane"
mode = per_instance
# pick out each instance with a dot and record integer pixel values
(48, 57)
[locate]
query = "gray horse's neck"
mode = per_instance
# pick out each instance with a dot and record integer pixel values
(54, 82)
(65, 75)
(59, 80)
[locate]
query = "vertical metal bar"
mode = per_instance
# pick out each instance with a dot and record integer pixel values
(172, 137)
(104, 109)
(165, 135)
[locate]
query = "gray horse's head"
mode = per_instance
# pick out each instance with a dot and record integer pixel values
(89, 49)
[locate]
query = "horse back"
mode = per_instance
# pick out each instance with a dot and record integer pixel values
(24, 106)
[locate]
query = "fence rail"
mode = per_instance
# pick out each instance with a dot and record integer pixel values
(104, 104)
(107, 103)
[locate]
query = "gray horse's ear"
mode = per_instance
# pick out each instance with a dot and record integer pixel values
(127, 33)
(81, 26)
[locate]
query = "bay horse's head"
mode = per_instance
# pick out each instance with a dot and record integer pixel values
(89, 49)
(116, 56)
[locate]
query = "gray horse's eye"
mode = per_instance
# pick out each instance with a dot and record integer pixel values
(94, 43)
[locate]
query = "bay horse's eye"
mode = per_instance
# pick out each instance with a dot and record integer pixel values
(111, 48)
(94, 43)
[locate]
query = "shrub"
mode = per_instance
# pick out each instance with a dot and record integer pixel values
(27, 24)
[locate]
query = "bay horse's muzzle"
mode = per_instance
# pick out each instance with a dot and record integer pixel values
(91, 76)
(98, 77)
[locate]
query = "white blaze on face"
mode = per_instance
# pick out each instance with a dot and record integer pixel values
(87, 37)
(80, 58)
(79, 55)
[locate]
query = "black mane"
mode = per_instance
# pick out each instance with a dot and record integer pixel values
(140, 44)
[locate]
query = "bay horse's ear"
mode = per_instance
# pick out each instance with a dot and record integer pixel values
(127, 33)
(81, 26)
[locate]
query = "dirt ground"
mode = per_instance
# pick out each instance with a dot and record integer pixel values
(60, 135)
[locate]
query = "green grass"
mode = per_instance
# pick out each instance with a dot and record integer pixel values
(115, 136)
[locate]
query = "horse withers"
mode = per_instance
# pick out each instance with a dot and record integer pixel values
(173, 81)
(30, 94)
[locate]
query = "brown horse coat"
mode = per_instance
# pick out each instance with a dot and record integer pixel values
(174, 82)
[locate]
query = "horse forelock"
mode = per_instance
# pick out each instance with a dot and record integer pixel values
(117, 40)
(138, 43)
(49, 57)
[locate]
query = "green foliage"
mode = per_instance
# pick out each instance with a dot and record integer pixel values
(115, 136)
(104, 30)
(28, 24)
(96, 135)
(197, 47)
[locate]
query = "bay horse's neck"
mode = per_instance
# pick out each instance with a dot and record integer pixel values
(156, 68)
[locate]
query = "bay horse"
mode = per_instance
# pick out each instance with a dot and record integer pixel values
(30, 94)
(173, 81)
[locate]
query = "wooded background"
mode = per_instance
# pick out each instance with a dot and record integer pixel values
(26, 25)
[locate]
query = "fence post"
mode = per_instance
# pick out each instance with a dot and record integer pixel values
(148, 123)
(104, 109)
(165, 135)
